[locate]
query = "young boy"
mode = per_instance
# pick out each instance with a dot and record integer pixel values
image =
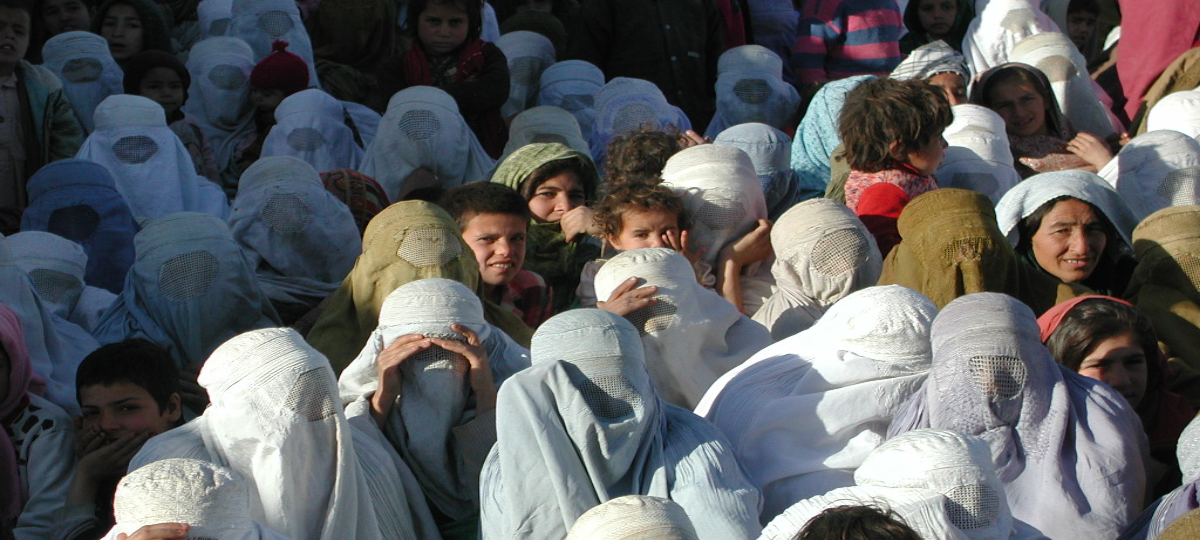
(39, 125)
(1081, 23)
(275, 77)
(128, 392)
(494, 221)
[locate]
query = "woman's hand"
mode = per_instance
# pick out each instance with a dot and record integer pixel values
(1090, 149)
(387, 367)
(160, 531)
(579, 220)
(480, 374)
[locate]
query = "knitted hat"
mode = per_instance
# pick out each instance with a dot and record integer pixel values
(280, 70)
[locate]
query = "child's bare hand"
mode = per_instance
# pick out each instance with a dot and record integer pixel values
(678, 241)
(690, 138)
(1090, 149)
(627, 298)
(579, 220)
(160, 531)
(112, 459)
(754, 246)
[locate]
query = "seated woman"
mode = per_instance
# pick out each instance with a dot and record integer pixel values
(585, 425)
(1073, 226)
(1042, 138)
(1110, 340)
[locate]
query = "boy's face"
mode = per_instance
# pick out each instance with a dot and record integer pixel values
(646, 229)
(498, 241)
(937, 16)
(1080, 25)
(928, 158)
(122, 28)
(266, 99)
(65, 16)
(442, 28)
(124, 407)
(14, 38)
(953, 85)
(164, 86)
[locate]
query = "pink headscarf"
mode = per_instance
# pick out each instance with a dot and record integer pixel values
(20, 381)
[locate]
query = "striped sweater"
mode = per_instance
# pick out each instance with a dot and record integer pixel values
(842, 38)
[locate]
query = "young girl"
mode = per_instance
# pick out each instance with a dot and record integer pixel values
(161, 77)
(1041, 137)
(930, 20)
(130, 27)
(446, 52)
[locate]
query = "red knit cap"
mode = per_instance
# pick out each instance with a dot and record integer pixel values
(280, 70)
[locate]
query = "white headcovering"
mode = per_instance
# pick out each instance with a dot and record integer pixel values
(56, 346)
(528, 54)
(219, 96)
(691, 335)
(422, 128)
(1029, 195)
(750, 88)
(978, 157)
(366, 121)
(1066, 68)
(998, 27)
(300, 239)
(57, 266)
(930, 59)
(87, 70)
(214, 17)
(1179, 111)
(634, 517)
(1069, 449)
(922, 510)
(152, 168)
(803, 414)
(545, 124)
(261, 22)
(573, 85)
(585, 425)
(275, 418)
(822, 253)
(213, 500)
(311, 125)
(625, 105)
(1155, 170)
(435, 396)
(721, 192)
(770, 151)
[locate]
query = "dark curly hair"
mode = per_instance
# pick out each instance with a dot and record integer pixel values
(640, 198)
(638, 156)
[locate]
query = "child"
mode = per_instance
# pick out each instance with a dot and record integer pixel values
(132, 26)
(54, 17)
(161, 77)
(1081, 23)
(446, 52)
(275, 77)
(494, 221)
(932, 20)
(892, 133)
(128, 392)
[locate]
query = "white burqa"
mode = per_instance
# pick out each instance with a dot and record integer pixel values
(1179, 111)
(998, 26)
(57, 266)
(545, 124)
(978, 157)
(528, 54)
(87, 70)
(1155, 170)
(311, 125)
(261, 22)
(572, 85)
(750, 88)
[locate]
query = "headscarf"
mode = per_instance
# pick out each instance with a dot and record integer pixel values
(1055, 55)
(1155, 170)
(311, 125)
(155, 34)
(545, 124)
(917, 37)
(626, 104)
(528, 54)
(802, 414)
(941, 483)
(1164, 286)
(1025, 198)
(189, 290)
(1164, 414)
(1068, 448)
(364, 196)
(951, 247)
(572, 85)
(152, 167)
(823, 252)
(998, 27)
(408, 241)
(219, 96)
(213, 500)
(770, 151)
(585, 425)
(20, 379)
(750, 88)
(435, 398)
(1035, 153)
(422, 128)
(818, 136)
(691, 335)
(53, 345)
(933, 58)
(547, 253)
(83, 63)
(1179, 111)
(56, 267)
(634, 517)
(78, 200)
(299, 238)
(978, 157)
(260, 23)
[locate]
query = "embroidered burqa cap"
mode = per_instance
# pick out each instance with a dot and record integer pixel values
(1155, 170)
(634, 517)
(978, 157)
(311, 125)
